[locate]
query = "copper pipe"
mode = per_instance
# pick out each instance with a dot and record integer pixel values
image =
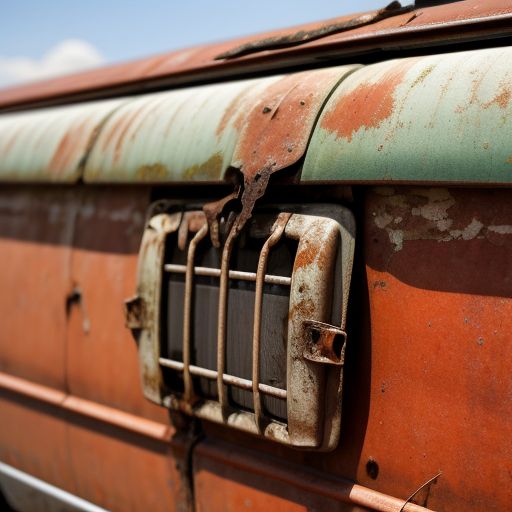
(233, 274)
(222, 317)
(187, 311)
(278, 230)
(227, 379)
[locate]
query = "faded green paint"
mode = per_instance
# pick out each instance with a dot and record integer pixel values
(184, 135)
(50, 145)
(442, 118)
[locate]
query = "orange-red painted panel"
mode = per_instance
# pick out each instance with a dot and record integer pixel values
(36, 229)
(439, 274)
(102, 359)
(34, 438)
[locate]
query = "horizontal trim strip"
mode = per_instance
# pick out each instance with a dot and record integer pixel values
(8, 473)
(103, 413)
(233, 274)
(228, 379)
(338, 489)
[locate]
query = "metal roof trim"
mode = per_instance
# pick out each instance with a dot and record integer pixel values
(423, 26)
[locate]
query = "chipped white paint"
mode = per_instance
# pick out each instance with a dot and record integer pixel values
(424, 214)
(471, 231)
(502, 230)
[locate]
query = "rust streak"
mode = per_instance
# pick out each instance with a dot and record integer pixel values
(306, 257)
(501, 100)
(67, 149)
(367, 106)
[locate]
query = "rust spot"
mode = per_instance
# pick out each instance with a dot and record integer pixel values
(367, 106)
(422, 76)
(234, 110)
(501, 100)
(303, 309)
(210, 170)
(70, 146)
(152, 172)
(306, 256)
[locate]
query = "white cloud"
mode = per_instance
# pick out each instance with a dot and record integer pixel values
(66, 57)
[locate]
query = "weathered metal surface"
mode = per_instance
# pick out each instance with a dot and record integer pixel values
(318, 292)
(441, 118)
(86, 408)
(50, 145)
(277, 131)
(227, 477)
(25, 423)
(304, 36)
(121, 446)
(123, 472)
(184, 135)
(469, 19)
(188, 135)
(438, 270)
(36, 231)
(63, 333)
(108, 227)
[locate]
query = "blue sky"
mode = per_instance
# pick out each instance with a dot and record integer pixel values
(35, 35)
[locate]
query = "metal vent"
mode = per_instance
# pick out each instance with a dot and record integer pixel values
(260, 345)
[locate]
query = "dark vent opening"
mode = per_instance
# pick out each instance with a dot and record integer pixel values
(274, 329)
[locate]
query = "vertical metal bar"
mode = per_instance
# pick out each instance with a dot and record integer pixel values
(277, 232)
(222, 317)
(187, 313)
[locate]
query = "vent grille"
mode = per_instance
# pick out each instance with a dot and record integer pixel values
(244, 335)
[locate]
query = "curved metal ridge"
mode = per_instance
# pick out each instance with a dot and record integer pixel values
(434, 119)
(187, 135)
(87, 408)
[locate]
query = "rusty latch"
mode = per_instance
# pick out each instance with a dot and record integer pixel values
(325, 343)
(134, 312)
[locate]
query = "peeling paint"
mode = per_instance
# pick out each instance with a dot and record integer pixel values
(366, 106)
(425, 214)
(432, 119)
(502, 230)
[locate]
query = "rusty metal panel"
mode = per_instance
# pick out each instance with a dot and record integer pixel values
(49, 145)
(36, 231)
(187, 135)
(441, 118)
(438, 268)
(125, 472)
(469, 19)
(34, 439)
(109, 223)
(227, 477)
(183, 135)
